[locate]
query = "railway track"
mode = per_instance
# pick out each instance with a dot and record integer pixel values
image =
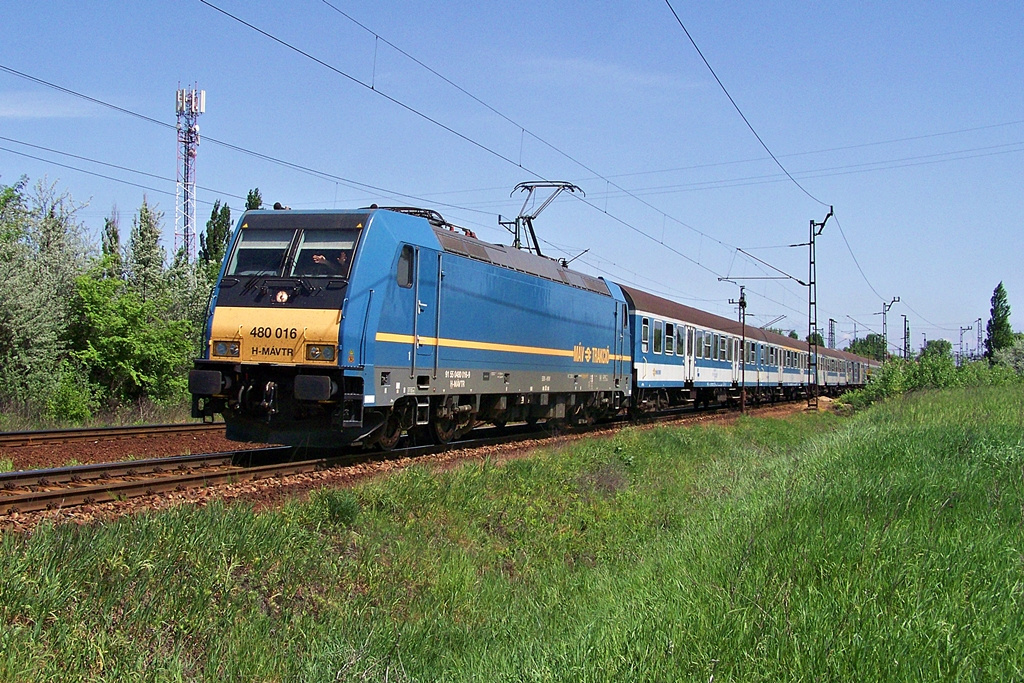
(33, 490)
(57, 436)
(65, 487)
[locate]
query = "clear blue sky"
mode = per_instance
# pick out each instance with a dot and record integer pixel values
(907, 117)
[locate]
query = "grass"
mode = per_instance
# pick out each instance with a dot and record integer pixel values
(21, 418)
(886, 546)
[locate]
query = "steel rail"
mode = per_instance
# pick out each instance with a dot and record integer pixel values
(155, 480)
(127, 468)
(55, 436)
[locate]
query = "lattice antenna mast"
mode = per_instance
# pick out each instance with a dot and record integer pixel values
(189, 104)
(522, 227)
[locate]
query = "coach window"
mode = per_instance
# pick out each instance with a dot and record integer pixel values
(645, 335)
(670, 339)
(723, 344)
(405, 266)
(680, 340)
(659, 335)
(709, 340)
(689, 341)
(731, 348)
(698, 349)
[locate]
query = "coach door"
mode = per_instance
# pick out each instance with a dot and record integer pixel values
(426, 317)
(688, 362)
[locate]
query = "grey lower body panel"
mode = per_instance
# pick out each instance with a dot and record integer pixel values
(394, 383)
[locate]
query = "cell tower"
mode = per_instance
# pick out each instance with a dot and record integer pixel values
(189, 104)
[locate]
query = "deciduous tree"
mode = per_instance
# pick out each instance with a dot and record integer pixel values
(871, 346)
(937, 347)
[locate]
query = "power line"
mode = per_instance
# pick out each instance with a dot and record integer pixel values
(737, 108)
(885, 165)
(827, 150)
(109, 165)
(522, 128)
(82, 170)
(323, 175)
(372, 88)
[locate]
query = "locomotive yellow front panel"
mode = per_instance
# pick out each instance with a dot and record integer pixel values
(275, 335)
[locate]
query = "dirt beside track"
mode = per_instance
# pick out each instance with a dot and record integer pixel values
(116, 450)
(269, 493)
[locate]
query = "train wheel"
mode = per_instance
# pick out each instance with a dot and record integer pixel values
(391, 432)
(444, 429)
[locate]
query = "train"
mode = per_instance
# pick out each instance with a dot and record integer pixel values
(330, 328)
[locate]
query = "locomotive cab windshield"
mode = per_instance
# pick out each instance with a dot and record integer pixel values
(296, 245)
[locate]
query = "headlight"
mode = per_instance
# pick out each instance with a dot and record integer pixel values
(322, 352)
(225, 348)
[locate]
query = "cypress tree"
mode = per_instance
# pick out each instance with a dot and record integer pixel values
(254, 200)
(145, 255)
(999, 333)
(214, 243)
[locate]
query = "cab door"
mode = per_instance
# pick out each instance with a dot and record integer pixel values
(426, 314)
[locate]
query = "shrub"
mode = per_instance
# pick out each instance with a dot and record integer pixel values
(931, 371)
(72, 400)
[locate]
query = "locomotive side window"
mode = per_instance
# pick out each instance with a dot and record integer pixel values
(260, 252)
(659, 335)
(670, 339)
(645, 335)
(405, 267)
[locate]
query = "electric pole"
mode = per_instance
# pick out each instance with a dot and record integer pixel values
(906, 338)
(885, 328)
(960, 349)
(743, 348)
(812, 314)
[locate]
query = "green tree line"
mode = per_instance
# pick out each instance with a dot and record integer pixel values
(89, 329)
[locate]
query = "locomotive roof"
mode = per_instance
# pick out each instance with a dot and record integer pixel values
(515, 259)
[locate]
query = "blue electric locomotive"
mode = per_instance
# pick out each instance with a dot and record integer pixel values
(336, 327)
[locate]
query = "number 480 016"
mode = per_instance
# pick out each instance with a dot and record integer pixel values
(274, 332)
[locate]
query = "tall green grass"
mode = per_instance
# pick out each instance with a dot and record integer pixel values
(887, 546)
